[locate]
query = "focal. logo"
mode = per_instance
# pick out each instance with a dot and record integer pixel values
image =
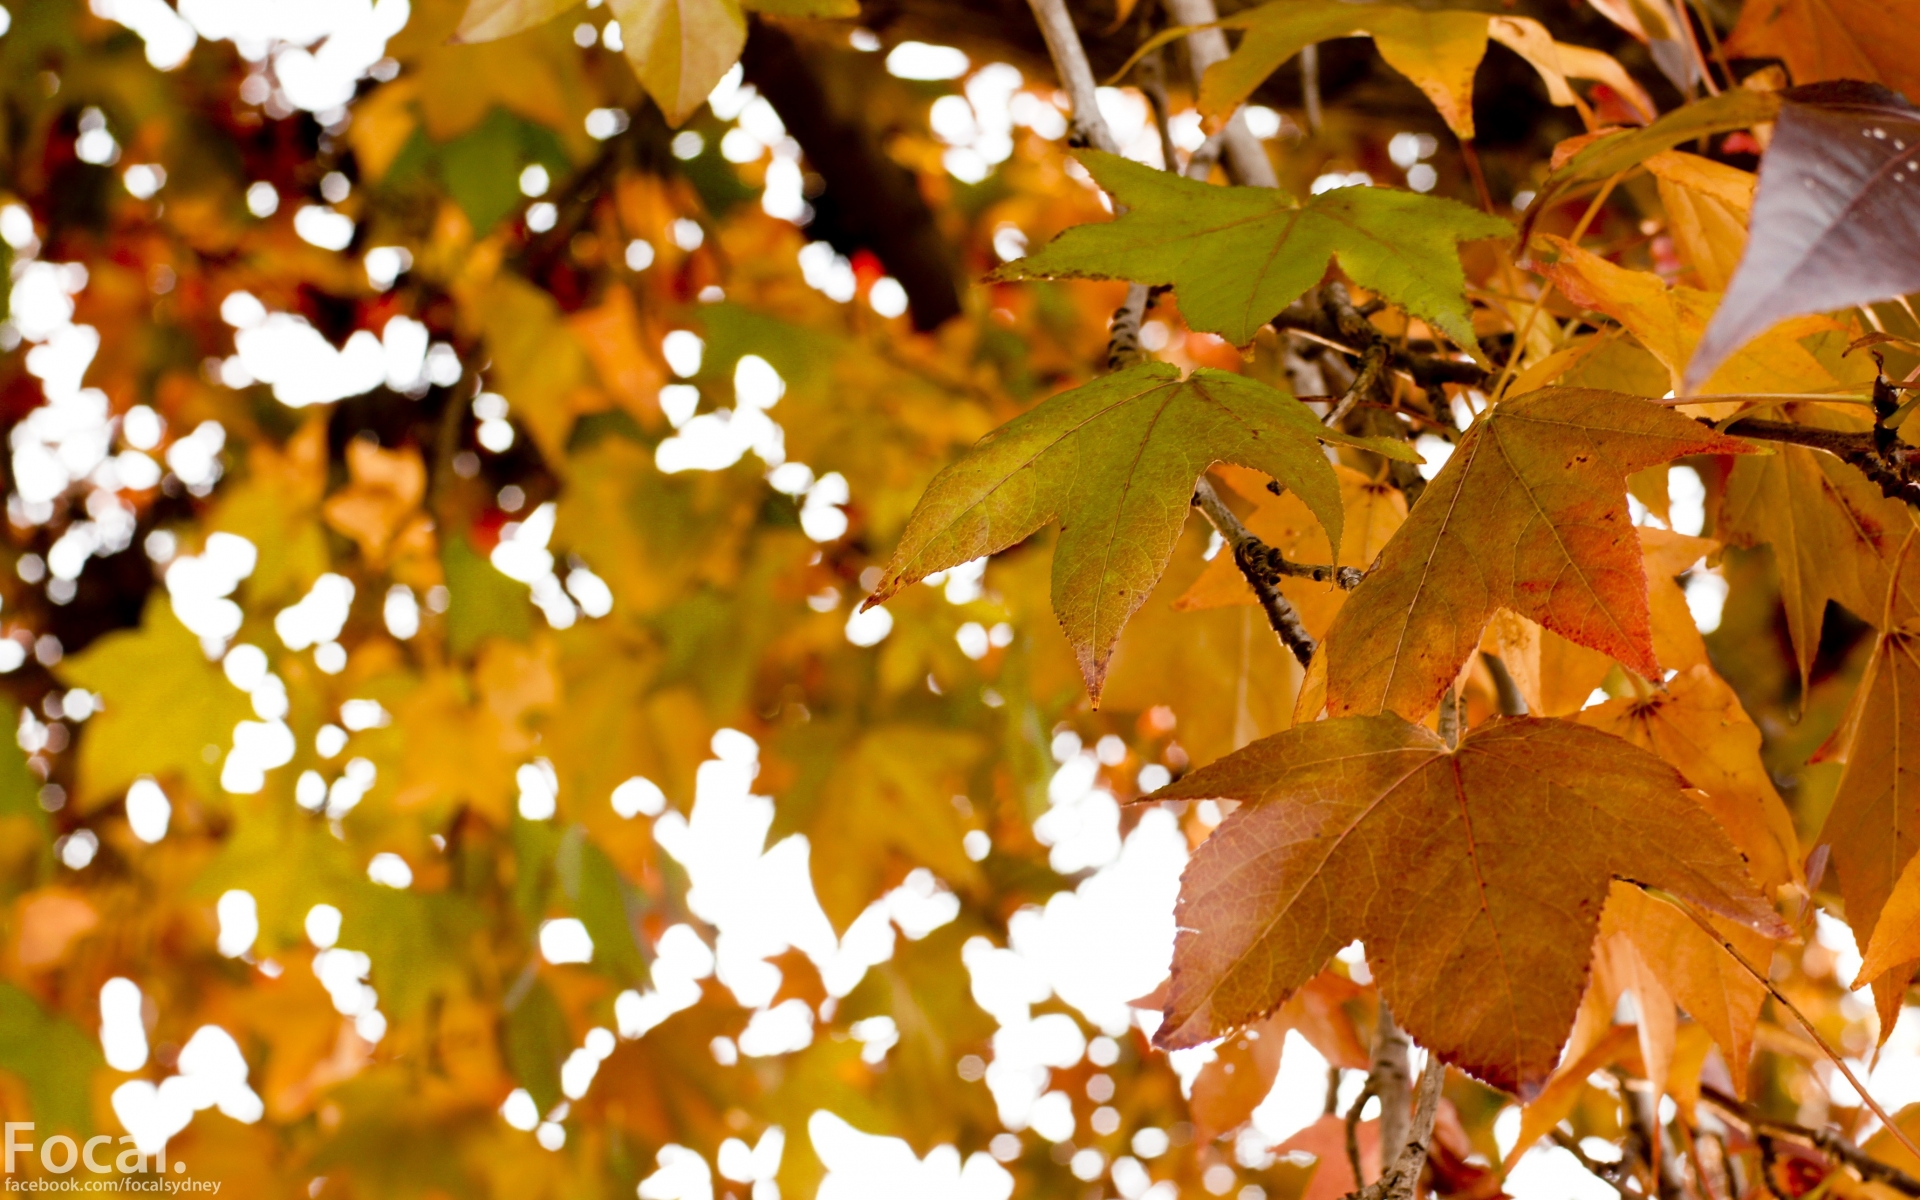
(60, 1155)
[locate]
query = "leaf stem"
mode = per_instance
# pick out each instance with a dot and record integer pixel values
(1525, 328)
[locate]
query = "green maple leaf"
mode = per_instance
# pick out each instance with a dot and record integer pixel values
(52, 1056)
(167, 710)
(1236, 256)
(1115, 460)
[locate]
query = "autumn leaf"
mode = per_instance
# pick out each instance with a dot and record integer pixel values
(681, 48)
(169, 712)
(1620, 968)
(1831, 39)
(1695, 969)
(1834, 224)
(1219, 671)
(52, 1056)
(1326, 1141)
(538, 364)
(1697, 726)
(887, 795)
(1488, 863)
(1528, 514)
(486, 20)
(1115, 460)
(1707, 205)
(1237, 256)
(1438, 50)
(1834, 535)
(1241, 1074)
(276, 507)
(1669, 320)
(1553, 1103)
(380, 508)
(1874, 824)
(1556, 677)
(1623, 150)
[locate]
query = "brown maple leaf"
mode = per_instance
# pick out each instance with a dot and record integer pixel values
(1476, 878)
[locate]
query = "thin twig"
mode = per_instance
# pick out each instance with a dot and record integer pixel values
(1646, 1141)
(1373, 368)
(1310, 85)
(1607, 1173)
(1267, 560)
(1151, 71)
(1826, 1141)
(1781, 999)
(1253, 557)
(1885, 460)
(1525, 328)
(1247, 159)
(1352, 1123)
(1699, 56)
(1089, 128)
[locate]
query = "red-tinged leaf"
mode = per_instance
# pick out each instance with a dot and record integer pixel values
(1836, 215)
(1475, 877)
(1529, 514)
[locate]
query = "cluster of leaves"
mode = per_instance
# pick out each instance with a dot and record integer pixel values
(1442, 442)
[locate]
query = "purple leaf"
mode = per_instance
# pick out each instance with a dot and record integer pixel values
(1836, 217)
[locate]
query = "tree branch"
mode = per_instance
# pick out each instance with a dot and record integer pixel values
(1399, 1181)
(1264, 567)
(1391, 1079)
(1280, 611)
(1832, 1144)
(869, 200)
(1352, 1123)
(1247, 159)
(1373, 369)
(1089, 128)
(1607, 1173)
(1878, 453)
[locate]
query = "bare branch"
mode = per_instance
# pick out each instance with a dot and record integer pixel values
(1089, 128)
(1352, 1122)
(1391, 1079)
(1888, 462)
(1247, 159)
(1310, 85)
(1399, 1181)
(1608, 1173)
(1373, 370)
(1251, 555)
